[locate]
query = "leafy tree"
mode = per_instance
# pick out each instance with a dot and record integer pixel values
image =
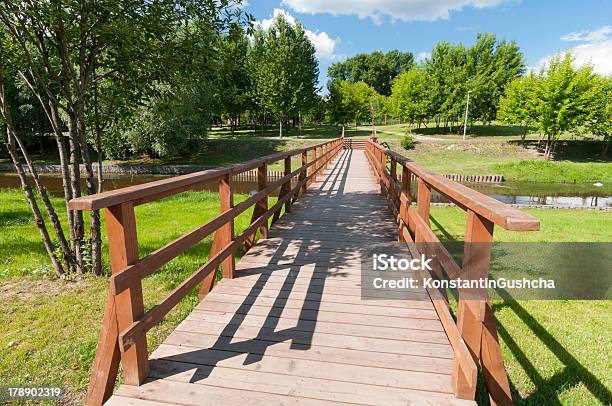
(376, 69)
(600, 118)
(519, 104)
(410, 98)
(231, 82)
(565, 97)
(284, 71)
(350, 102)
(82, 59)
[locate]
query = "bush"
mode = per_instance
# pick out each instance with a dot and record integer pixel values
(408, 142)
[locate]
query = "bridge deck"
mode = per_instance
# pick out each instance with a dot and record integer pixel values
(292, 328)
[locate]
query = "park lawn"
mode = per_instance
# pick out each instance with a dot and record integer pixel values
(513, 161)
(480, 132)
(50, 326)
(309, 131)
(554, 351)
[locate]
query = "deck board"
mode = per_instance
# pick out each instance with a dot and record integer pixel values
(292, 327)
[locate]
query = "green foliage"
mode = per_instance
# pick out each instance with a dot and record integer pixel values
(408, 142)
(485, 68)
(411, 97)
(564, 95)
(355, 102)
(376, 69)
(518, 105)
(600, 117)
(284, 70)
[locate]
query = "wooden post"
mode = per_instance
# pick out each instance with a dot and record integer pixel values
(262, 182)
(288, 184)
(106, 364)
(475, 318)
(313, 167)
(304, 172)
(423, 199)
(225, 234)
(123, 249)
(406, 181)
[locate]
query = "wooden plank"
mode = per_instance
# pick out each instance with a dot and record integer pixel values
(312, 326)
(370, 307)
(123, 249)
(311, 369)
(314, 388)
(329, 316)
(178, 393)
(295, 350)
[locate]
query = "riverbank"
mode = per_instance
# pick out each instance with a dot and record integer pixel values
(35, 351)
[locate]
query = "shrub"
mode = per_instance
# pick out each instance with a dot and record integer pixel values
(408, 142)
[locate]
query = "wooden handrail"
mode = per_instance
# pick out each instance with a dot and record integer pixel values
(499, 213)
(473, 333)
(156, 190)
(123, 335)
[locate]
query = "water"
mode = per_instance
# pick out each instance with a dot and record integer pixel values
(545, 194)
(529, 193)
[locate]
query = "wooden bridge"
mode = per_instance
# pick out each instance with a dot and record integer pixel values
(287, 324)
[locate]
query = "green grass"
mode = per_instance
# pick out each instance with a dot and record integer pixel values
(555, 352)
(515, 162)
(312, 131)
(51, 326)
(478, 131)
(54, 323)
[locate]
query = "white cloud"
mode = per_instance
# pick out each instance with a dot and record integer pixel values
(600, 34)
(422, 56)
(407, 10)
(596, 50)
(325, 45)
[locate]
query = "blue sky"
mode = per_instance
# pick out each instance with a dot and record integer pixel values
(342, 28)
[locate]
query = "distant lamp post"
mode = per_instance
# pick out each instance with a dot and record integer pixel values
(467, 106)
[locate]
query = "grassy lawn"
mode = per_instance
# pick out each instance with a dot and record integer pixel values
(54, 324)
(51, 326)
(550, 348)
(512, 160)
(319, 131)
(477, 131)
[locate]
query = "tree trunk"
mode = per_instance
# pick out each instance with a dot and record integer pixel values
(606, 147)
(38, 218)
(280, 129)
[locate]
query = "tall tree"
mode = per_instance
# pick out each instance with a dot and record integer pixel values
(600, 118)
(62, 49)
(231, 82)
(284, 70)
(565, 97)
(518, 105)
(376, 69)
(410, 98)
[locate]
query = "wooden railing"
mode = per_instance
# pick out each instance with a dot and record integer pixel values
(472, 333)
(123, 334)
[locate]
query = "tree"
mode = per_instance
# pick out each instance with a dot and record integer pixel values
(231, 82)
(350, 102)
(376, 69)
(284, 71)
(65, 52)
(600, 117)
(410, 98)
(519, 104)
(565, 97)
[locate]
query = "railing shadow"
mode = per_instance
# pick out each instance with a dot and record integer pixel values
(316, 250)
(547, 389)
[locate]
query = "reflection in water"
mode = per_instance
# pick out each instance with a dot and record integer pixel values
(529, 193)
